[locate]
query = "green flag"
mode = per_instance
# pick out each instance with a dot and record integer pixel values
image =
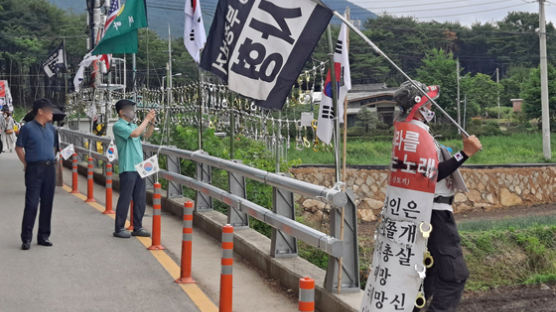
(121, 35)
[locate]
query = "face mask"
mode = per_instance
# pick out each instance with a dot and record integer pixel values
(427, 114)
(129, 114)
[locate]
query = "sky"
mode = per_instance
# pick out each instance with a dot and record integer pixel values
(466, 12)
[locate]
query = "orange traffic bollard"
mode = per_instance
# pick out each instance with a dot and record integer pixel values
(90, 197)
(226, 280)
(187, 245)
(108, 205)
(156, 245)
(130, 227)
(306, 294)
(74, 174)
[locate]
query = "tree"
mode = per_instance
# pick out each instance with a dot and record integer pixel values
(367, 120)
(481, 91)
(531, 94)
(513, 84)
(439, 68)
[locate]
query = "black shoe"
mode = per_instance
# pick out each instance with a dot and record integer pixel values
(122, 234)
(141, 232)
(45, 243)
(26, 245)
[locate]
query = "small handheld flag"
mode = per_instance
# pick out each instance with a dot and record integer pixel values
(148, 167)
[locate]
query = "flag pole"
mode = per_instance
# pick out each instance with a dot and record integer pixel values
(404, 74)
(335, 104)
(344, 156)
(336, 139)
(134, 66)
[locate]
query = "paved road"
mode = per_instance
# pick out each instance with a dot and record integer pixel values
(86, 270)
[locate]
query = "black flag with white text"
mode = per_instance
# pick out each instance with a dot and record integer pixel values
(55, 62)
(259, 47)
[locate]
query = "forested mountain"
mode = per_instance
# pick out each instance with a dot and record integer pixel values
(162, 13)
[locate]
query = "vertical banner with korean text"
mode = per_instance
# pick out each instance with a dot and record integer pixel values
(259, 47)
(397, 269)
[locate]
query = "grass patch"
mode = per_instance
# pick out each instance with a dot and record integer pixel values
(506, 224)
(541, 279)
(525, 148)
(510, 257)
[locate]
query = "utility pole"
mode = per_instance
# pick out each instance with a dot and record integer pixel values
(458, 92)
(544, 84)
(464, 111)
(169, 66)
(498, 89)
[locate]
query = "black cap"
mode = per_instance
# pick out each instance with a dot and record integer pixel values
(123, 103)
(42, 103)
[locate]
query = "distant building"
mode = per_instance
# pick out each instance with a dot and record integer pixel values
(375, 97)
(516, 103)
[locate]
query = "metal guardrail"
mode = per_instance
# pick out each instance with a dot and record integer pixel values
(286, 230)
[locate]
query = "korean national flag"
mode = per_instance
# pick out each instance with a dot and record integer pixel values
(111, 152)
(194, 36)
(327, 111)
(148, 167)
(67, 152)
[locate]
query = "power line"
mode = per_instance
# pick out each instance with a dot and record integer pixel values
(473, 12)
(436, 3)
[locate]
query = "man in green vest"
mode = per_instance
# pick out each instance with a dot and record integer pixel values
(127, 136)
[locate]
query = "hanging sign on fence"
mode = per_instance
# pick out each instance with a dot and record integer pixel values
(111, 152)
(67, 152)
(259, 47)
(148, 167)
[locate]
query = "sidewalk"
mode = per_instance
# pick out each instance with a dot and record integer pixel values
(252, 292)
(86, 270)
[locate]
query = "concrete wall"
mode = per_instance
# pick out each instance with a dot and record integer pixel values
(490, 188)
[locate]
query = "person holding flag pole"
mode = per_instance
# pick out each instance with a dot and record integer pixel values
(447, 280)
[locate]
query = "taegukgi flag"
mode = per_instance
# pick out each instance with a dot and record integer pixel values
(327, 111)
(259, 47)
(148, 167)
(111, 151)
(67, 152)
(194, 36)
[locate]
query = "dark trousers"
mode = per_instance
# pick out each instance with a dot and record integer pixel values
(446, 279)
(40, 183)
(131, 187)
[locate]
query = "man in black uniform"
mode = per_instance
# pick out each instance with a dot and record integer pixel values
(36, 148)
(446, 279)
